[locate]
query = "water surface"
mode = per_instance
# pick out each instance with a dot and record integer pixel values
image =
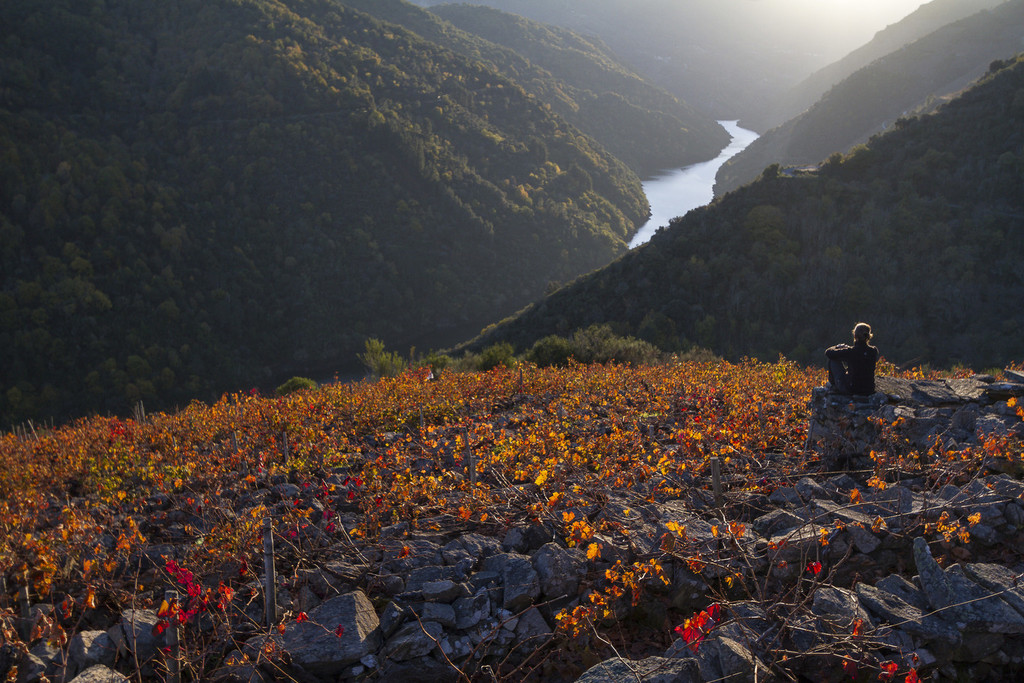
(674, 193)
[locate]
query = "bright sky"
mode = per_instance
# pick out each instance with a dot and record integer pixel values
(857, 20)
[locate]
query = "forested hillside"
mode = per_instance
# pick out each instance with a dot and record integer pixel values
(916, 78)
(644, 126)
(727, 57)
(920, 232)
(925, 20)
(196, 196)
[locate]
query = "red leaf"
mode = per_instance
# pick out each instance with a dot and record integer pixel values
(814, 567)
(715, 612)
(912, 677)
(159, 627)
(888, 670)
(850, 668)
(301, 617)
(340, 631)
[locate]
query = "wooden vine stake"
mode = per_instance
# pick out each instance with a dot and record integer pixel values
(716, 479)
(270, 576)
(173, 641)
(284, 448)
(26, 611)
(470, 460)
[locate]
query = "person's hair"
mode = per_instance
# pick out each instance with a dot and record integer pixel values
(862, 331)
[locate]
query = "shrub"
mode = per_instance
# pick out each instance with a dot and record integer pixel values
(295, 384)
(551, 350)
(499, 354)
(379, 362)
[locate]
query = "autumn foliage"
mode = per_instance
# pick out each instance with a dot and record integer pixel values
(107, 513)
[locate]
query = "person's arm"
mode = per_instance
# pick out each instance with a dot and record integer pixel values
(838, 352)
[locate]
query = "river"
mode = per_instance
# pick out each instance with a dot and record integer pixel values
(675, 193)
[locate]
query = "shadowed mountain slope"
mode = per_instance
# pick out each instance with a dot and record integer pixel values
(920, 232)
(916, 78)
(197, 196)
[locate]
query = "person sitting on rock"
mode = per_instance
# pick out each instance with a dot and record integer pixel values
(851, 369)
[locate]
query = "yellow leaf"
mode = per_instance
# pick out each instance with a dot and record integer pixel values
(541, 478)
(593, 551)
(855, 496)
(974, 519)
(714, 531)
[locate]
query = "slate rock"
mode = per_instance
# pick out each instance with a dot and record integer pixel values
(315, 646)
(133, 635)
(904, 589)
(724, 659)
(776, 521)
(559, 570)
(444, 590)
(998, 579)
(520, 581)
(419, 670)
(100, 673)
(88, 648)
(650, 670)
(840, 608)
(413, 640)
(470, 611)
(902, 615)
(532, 630)
(440, 612)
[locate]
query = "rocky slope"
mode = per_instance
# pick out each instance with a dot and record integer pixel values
(788, 568)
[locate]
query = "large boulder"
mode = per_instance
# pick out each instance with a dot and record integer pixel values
(338, 633)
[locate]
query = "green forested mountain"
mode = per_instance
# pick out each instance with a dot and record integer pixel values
(920, 233)
(642, 125)
(638, 123)
(927, 19)
(914, 79)
(200, 195)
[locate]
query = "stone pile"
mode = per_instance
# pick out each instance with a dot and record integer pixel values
(810, 575)
(443, 607)
(911, 414)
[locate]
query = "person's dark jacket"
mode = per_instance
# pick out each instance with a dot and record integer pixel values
(860, 362)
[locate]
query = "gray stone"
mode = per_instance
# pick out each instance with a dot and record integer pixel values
(902, 615)
(934, 581)
(650, 670)
(979, 609)
(839, 608)
(808, 489)
(134, 636)
(444, 590)
(863, 539)
(315, 644)
(439, 612)
(100, 673)
(417, 670)
(392, 617)
(480, 546)
(559, 570)
(903, 589)
(776, 521)
(724, 659)
(470, 611)
(998, 579)
(413, 640)
(520, 581)
(532, 630)
(88, 648)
